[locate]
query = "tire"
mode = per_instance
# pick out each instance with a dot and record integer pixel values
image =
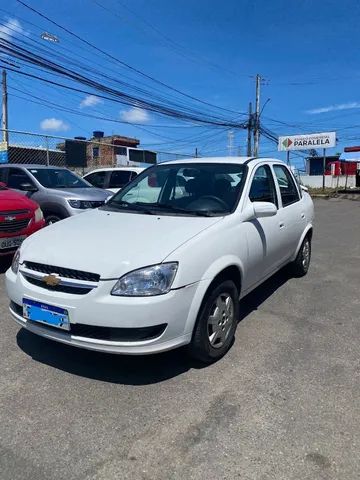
(301, 265)
(215, 326)
(51, 218)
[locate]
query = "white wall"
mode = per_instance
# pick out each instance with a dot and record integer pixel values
(315, 181)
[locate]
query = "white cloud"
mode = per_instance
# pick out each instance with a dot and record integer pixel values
(11, 28)
(135, 115)
(90, 101)
(54, 125)
(334, 108)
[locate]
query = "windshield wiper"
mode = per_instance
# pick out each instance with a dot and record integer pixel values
(127, 206)
(155, 208)
(173, 209)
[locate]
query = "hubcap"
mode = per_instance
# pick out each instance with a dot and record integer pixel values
(306, 254)
(220, 320)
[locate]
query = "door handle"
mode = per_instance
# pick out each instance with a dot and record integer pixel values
(281, 224)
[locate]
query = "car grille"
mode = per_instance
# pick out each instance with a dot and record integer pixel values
(14, 212)
(12, 226)
(117, 334)
(58, 288)
(63, 272)
(113, 334)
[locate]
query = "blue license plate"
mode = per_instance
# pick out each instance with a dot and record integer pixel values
(47, 314)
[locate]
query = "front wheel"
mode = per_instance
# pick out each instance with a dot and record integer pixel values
(216, 323)
(301, 265)
(52, 218)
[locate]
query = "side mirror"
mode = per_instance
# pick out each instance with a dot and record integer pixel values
(28, 187)
(264, 209)
(303, 188)
(258, 210)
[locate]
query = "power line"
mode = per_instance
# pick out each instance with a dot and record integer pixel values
(117, 59)
(169, 42)
(121, 97)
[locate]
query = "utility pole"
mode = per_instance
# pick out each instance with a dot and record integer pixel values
(257, 117)
(196, 152)
(4, 123)
(249, 149)
(230, 142)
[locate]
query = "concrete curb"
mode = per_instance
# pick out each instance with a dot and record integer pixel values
(347, 196)
(322, 195)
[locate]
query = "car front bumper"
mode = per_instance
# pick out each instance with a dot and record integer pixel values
(100, 309)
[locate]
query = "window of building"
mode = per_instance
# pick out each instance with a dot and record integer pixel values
(120, 151)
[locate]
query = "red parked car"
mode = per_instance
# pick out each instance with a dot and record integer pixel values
(19, 218)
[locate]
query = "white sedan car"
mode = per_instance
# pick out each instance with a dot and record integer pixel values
(139, 276)
(112, 178)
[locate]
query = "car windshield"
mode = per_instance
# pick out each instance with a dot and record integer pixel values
(195, 189)
(58, 178)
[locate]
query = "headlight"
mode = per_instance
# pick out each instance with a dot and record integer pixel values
(74, 203)
(15, 262)
(146, 282)
(84, 204)
(38, 215)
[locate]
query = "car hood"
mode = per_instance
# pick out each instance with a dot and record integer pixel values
(112, 243)
(10, 200)
(91, 193)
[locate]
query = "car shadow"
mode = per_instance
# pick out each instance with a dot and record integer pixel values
(5, 263)
(128, 369)
(258, 296)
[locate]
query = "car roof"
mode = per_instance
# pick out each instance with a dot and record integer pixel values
(236, 160)
(31, 166)
(112, 169)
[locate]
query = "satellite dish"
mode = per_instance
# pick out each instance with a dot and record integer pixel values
(49, 37)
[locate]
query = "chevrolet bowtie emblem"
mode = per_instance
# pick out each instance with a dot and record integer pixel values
(10, 218)
(51, 280)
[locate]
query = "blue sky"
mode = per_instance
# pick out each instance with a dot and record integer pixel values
(307, 51)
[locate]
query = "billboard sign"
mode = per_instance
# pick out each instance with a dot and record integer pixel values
(4, 152)
(307, 142)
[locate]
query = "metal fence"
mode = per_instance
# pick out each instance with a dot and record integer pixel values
(75, 153)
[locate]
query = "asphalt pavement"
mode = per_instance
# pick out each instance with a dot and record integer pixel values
(283, 404)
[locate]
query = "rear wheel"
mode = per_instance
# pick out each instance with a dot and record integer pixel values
(51, 218)
(301, 265)
(216, 324)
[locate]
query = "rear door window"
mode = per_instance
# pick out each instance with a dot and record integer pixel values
(119, 178)
(3, 172)
(97, 179)
(16, 177)
(288, 189)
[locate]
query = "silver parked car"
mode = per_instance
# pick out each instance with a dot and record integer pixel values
(59, 192)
